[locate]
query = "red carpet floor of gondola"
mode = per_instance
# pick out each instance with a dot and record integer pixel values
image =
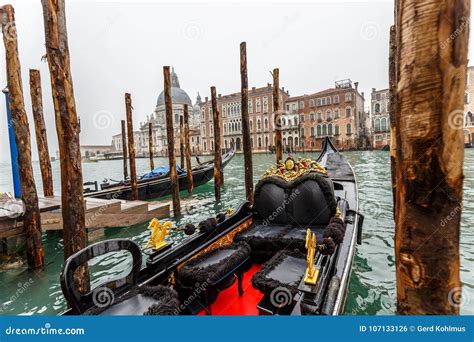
(229, 303)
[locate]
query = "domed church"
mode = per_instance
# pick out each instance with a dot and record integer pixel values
(158, 120)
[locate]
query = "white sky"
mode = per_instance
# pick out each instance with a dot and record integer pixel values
(121, 46)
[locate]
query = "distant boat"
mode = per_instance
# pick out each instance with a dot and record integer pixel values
(159, 186)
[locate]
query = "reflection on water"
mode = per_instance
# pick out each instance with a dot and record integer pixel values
(372, 288)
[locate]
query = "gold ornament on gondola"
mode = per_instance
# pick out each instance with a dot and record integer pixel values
(311, 275)
(290, 170)
(158, 233)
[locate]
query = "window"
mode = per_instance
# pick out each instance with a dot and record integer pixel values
(377, 108)
(205, 147)
(348, 97)
(259, 142)
(377, 96)
(348, 129)
(251, 142)
(251, 125)
(293, 107)
(250, 106)
(311, 116)
(318, 130)
(377, 125)
(328, 115)
(328, 100)
(259, 125)
(266, 123)
(319, 102)
(323, 101)
(325, 130)
(265, 104)
(336, 99)
(225, 128)
(287, 107)
(259, 105)
(295, 121)
(320, 116)
(336, 129)
(302, 132)
(348, 111)
(266, 141)
(336, 113)
(312, 131)
(330, 129)
(302, 117)
(384, 124)
(301, 104)
(311, 103)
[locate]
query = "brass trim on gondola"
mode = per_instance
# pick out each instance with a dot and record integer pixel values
(226, 240)
(291, 169)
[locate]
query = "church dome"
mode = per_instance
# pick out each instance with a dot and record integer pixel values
(178, 95)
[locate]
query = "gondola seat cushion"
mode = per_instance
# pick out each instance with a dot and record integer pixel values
(212, 267)
(145, 300)
(284, 270)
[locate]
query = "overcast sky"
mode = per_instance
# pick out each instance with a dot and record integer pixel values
(121, 46)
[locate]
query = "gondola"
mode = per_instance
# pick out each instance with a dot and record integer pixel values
(158, 186)
(290, 253)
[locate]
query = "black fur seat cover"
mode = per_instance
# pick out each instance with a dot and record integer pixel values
(283, 211)
(284, 270)
(145, 300)
(212, 267)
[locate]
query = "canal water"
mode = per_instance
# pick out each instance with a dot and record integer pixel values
(372, 287)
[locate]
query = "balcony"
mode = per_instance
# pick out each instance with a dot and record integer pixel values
(320, 120)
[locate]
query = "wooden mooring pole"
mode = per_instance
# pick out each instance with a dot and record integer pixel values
(131, 147)
(393, 75)
(150, 145)
(181, 140)
(170, 137)
(431, 38)
(244, 90)
(216, 119)
(124, 150)
(67, 125)
(189, 169)
(31, 216)
(277, 115)
(40, 129)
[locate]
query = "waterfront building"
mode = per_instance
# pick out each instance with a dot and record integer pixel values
(469, 108)
(95, 151)
(380, 108)
(261, 120)
(335, 112)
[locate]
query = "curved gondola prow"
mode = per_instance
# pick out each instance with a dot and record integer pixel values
(327, 148)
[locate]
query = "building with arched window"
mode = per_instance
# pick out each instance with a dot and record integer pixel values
(380, 107)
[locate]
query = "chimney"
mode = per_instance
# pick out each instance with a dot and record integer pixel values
(356, 84)
(362, 94)
(373, 90)
(219, 95)
(253, 88)
(206, 98)
(283, 89)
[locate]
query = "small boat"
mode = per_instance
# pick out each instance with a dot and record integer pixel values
(159, 186)
(290, 253)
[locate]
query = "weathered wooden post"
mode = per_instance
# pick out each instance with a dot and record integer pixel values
(430, 152)
(244, 90)
(40, 129)
(216, 119)
(181, 140)
(124, 151)
(277, 121)
(170, 137)
(392, 64)
(189, 169)
(67, 127)
(150, 145)
(31, 215)
(131, 147)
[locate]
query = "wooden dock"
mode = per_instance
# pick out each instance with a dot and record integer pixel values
(100, 213)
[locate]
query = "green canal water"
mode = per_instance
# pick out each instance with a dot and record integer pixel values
(372, 287)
